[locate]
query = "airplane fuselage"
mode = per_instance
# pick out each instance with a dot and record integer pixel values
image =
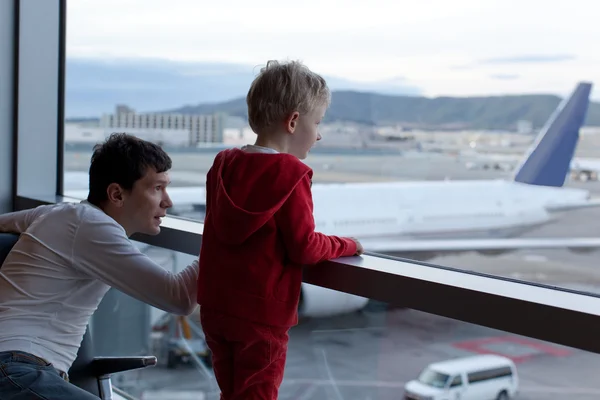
(493, 208)
(423, 209)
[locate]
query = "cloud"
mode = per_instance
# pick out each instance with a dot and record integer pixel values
(461, 67)
(523, 59)
(504, 77)
(369, 43)
(532, 58)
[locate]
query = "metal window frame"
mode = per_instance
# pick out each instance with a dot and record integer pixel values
(8, 45)
(557, 315)
(39, 97)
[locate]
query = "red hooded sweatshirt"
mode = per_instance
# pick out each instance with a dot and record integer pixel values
(259, 231)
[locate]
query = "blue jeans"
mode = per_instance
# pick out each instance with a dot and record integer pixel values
(24, 376)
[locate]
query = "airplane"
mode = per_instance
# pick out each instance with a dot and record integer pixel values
(425, 219)
(582, 169)
(486, 161)
(585, 169)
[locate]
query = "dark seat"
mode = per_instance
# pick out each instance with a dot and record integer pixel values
(88, 372)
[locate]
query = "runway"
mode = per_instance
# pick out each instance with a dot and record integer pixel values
(371, 355)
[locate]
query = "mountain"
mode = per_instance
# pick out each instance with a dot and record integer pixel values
(494, 112)
(94, 87)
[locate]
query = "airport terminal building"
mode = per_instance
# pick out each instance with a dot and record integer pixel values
(200, 128)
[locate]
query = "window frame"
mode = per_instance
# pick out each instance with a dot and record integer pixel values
(516, 307)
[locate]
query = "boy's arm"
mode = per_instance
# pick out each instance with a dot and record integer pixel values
(297, 226)
(103, 251)
(19, 221)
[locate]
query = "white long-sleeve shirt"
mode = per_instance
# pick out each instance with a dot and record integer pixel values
(67, 258)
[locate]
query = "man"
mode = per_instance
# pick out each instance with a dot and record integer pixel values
(69, 255)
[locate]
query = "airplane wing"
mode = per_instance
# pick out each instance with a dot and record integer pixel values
(482, 245)
(574, 206)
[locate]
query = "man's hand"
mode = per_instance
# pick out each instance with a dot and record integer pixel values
(359, 248)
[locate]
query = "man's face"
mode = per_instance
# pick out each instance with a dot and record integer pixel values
(147, 203)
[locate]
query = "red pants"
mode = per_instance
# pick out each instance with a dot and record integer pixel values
(248, 358)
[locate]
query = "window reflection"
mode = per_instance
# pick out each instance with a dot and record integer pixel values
(374, 353)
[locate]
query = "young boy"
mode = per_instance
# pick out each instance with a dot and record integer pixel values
(259, 232)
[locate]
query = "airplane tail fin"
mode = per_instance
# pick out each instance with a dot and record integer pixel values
(548, 160)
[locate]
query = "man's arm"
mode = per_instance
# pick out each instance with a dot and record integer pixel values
(297, 225)
(19, 221)
(102, 250)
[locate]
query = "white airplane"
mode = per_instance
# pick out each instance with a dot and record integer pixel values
(487, 161)
(585, 169)
(581, 168)
(422, 220)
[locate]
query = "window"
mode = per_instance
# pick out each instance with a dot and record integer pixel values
(338, 351)
(387, 192)
(485, 375)
(457, 381)
(433, 378)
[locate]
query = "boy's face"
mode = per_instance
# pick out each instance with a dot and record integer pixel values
(305, 132)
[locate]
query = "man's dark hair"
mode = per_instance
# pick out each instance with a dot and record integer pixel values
(123, 159)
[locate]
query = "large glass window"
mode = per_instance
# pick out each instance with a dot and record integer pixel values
(435, 108)
(425, 132)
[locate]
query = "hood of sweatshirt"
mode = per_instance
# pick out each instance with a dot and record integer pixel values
(248, 188)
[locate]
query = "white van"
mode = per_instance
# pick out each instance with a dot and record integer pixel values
(485, 377)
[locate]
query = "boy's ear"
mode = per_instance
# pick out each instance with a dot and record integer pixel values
(291, 121)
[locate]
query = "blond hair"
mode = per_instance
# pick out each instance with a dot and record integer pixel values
(282, 88)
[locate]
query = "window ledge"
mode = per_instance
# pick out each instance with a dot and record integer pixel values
(542, 312)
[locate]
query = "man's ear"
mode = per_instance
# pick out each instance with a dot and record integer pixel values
(291, 122)
(115, 194)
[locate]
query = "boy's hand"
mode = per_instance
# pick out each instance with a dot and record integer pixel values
(359, 248)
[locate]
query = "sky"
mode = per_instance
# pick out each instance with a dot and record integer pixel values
(443, 47)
